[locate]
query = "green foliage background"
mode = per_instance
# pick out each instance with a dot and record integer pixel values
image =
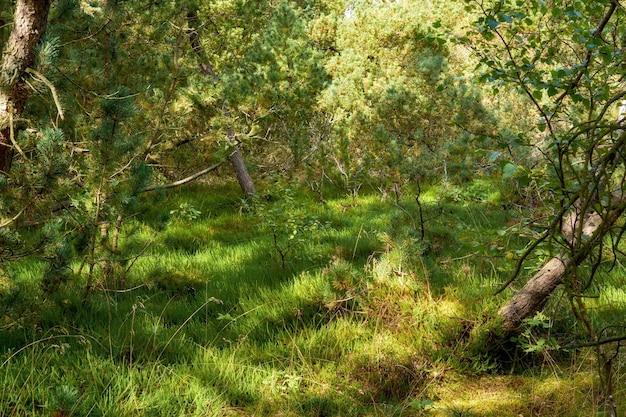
(406, 155)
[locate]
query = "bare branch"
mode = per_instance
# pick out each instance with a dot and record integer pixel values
(182, 181)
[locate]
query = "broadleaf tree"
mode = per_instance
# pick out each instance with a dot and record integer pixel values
(567, 59)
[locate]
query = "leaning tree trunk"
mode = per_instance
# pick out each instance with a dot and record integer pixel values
(582, 229)
(582, 239)
(533, 296)
(243, 177)
(29, 23)
(235, 158)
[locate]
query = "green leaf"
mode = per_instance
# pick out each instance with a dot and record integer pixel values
(422, 404)
(492, 23)
(495, 155)
(524, 180)
(509, 170)
(488, 36)
(505, 18)
(552, 91)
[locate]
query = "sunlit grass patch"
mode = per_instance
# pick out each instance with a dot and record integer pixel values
(268, 312)
(230, 374)
(607, 303)
(365, 317)
(512, 396)
(190, 238)
(330, 343)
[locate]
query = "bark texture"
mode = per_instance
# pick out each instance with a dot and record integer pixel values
(579, 232)
(29, 24)
(243, 177)
(534, 295)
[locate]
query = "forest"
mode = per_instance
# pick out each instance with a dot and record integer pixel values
(312, 208)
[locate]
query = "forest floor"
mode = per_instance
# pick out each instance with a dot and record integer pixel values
(294, 305)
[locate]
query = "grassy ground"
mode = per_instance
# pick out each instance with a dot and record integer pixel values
(290, 306)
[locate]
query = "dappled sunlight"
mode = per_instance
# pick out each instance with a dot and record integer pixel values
(312, 208)
(515, 396)
(359, 326)
(365, 316)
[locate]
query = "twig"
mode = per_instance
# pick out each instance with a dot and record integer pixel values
(599, 342)
(596, 34)
(53, 90)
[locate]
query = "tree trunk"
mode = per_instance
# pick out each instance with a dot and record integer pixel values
(29, 23)
(582, 230)
(533, 296)
(236, 159)
(245, 182)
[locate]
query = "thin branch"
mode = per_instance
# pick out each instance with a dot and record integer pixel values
(599, 342)
(520, 262)
(17, 216)
(194, 38)
(182, 181)
(596, 34)
(53, 90)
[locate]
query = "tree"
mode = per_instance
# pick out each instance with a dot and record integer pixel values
(235, 157)
(396, 107)
(277, 86)
(567, 58)
(29, 24)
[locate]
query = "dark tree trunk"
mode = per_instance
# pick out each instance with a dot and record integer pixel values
(29, 23)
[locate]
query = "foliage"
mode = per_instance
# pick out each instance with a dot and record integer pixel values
(305, 300)
(277, 83)
(567, 60)
(224, 327)
(284, 218)
(573, 87)
(532, 343)
(382, 77)
(185, 212)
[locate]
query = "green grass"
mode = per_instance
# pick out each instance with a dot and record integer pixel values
(366, 318)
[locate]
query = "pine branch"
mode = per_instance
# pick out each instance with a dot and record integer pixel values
(182, 181)
(53, 90)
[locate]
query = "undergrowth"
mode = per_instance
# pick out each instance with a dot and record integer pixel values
(295, 307)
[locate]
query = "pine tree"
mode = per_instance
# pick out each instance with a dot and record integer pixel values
(29, 24)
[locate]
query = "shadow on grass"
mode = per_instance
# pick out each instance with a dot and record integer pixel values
(215, 285)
